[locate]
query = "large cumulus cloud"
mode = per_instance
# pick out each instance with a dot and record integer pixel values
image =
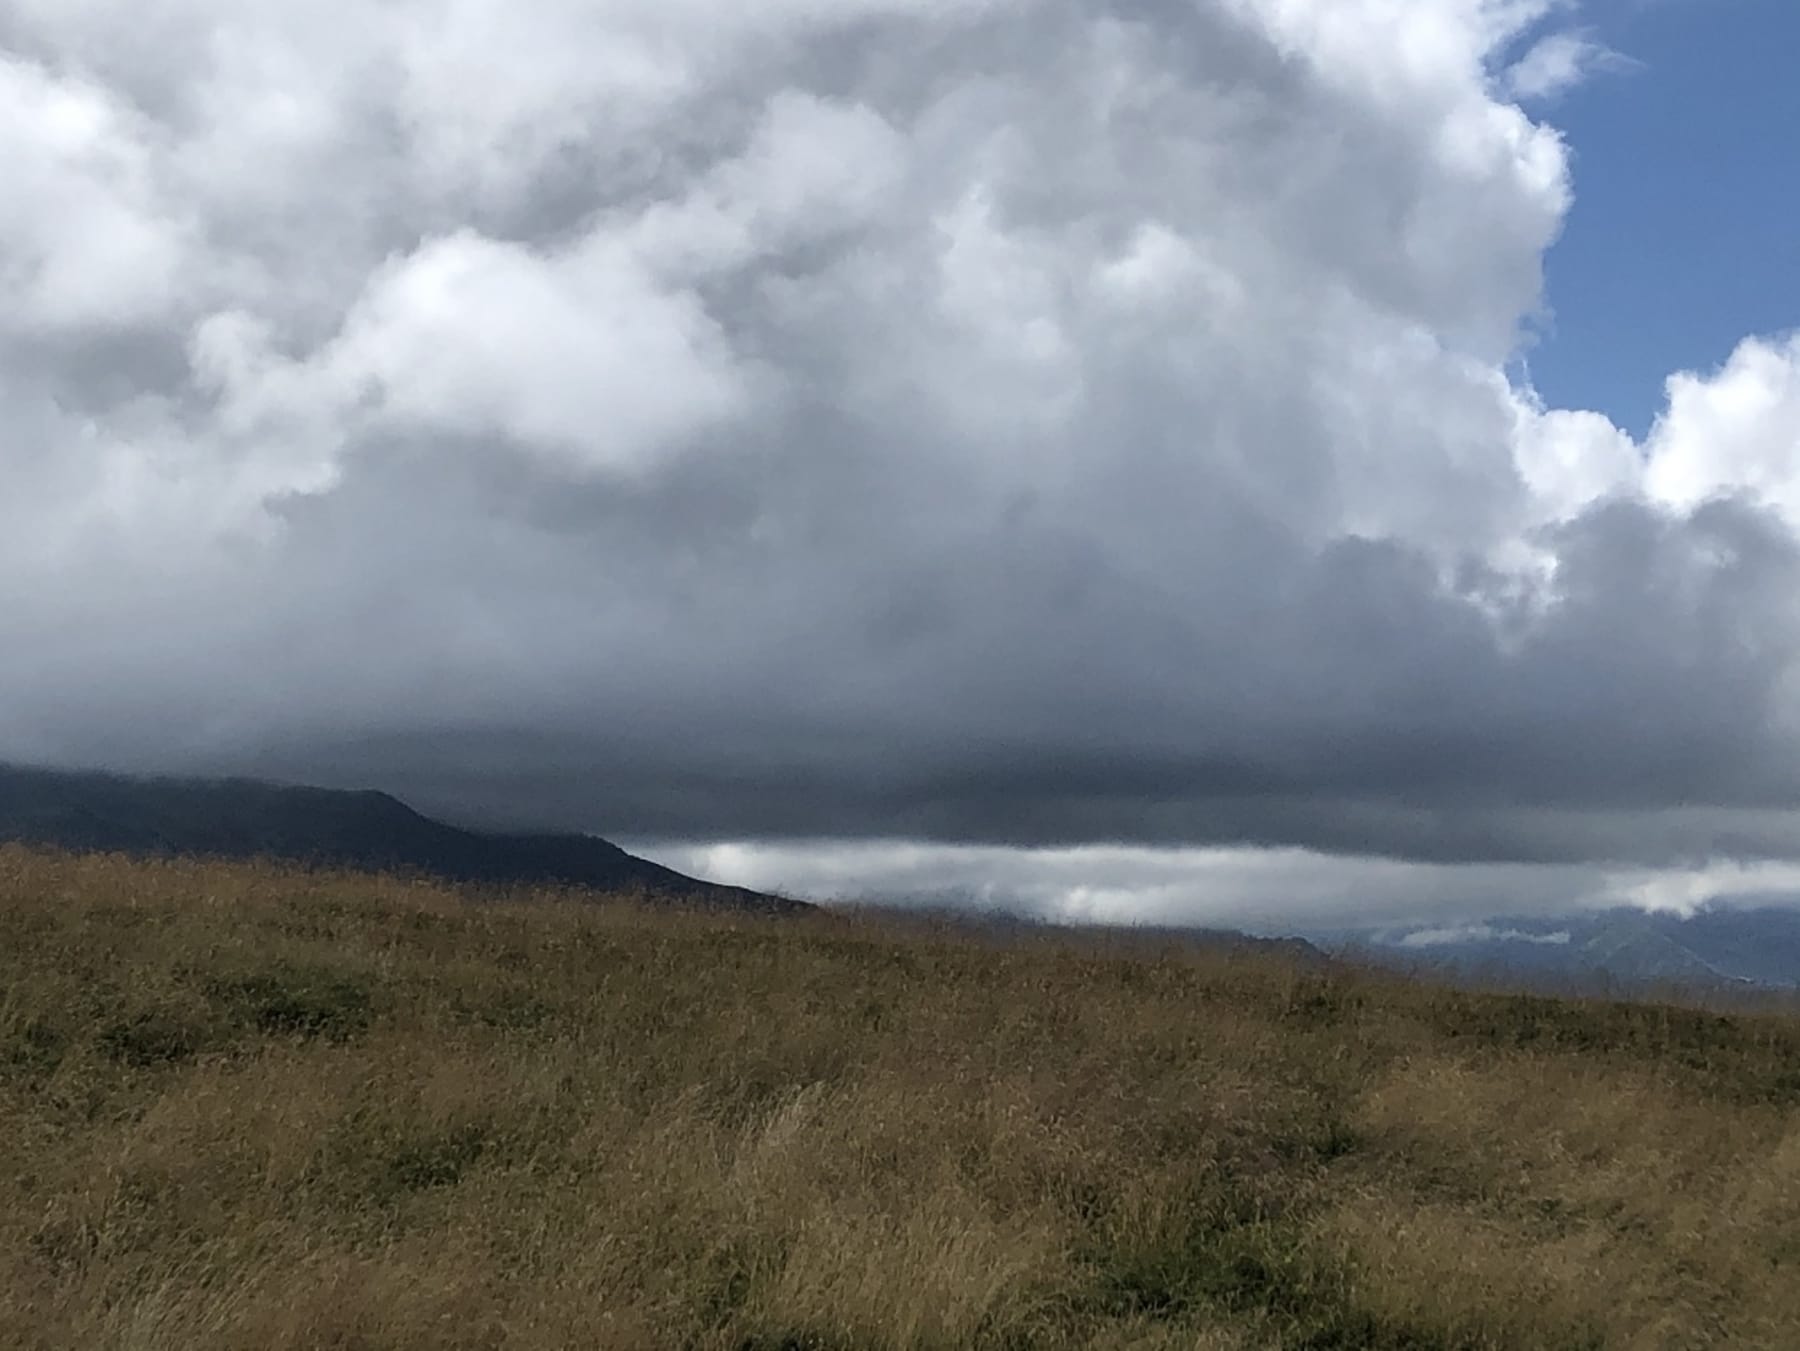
(1002, 421)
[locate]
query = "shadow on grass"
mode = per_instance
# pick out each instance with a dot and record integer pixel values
(296, 1002)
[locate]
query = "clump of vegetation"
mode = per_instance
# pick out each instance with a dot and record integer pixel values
(247, 1106)
(315, 1002)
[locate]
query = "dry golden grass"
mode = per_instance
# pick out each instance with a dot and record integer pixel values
(249, 1107)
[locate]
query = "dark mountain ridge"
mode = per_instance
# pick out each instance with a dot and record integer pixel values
(366, 830)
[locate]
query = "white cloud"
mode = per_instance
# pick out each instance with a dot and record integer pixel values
(1267, 890)
(1736, 430)
(581, 356)
(1683, 891)
(1572, 459)
(1002, 423)
(1557, 63)
(89, 236)
(1112, 884)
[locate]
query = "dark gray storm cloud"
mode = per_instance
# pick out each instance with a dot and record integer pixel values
(1016, 422)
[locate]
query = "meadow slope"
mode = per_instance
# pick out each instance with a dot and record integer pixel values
(244, 1106)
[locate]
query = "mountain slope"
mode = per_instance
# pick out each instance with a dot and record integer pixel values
(240, 818)
(1717, 947)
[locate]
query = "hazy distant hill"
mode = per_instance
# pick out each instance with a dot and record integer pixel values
(1718, 946)
(239, 818)
(971, 915)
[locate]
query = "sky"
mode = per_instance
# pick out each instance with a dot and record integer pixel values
(1680, 239)
(1262, 461)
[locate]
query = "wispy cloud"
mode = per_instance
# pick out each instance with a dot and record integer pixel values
(1480, 933)
(1560, 61)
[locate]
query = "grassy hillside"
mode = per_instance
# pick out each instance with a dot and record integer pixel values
(243, 1107)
